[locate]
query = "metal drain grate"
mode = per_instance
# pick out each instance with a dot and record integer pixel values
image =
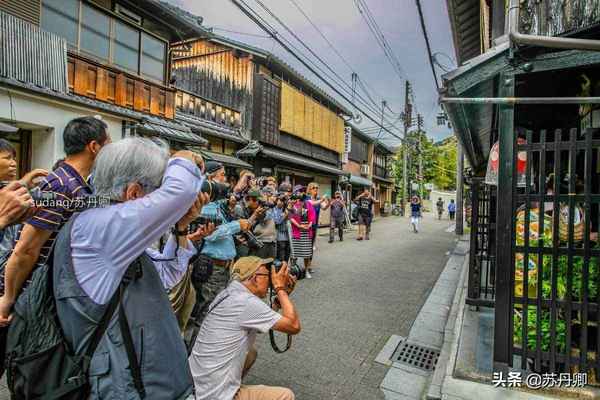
(417, 356)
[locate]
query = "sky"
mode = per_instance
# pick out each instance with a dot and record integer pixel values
(344, 27)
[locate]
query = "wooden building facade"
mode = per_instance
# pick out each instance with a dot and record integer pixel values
(63, 59)
(295, 129)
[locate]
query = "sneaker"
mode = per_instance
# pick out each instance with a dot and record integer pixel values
(331, 241)
(359, 238)
(308, 275)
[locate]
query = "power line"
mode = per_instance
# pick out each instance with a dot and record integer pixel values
(336, 78)
(380, 38)
(335, 50)
(257, 19)
(437, 85)
(241, 33)
(314, 54)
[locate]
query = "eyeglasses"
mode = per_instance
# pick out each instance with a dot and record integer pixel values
(261, 274)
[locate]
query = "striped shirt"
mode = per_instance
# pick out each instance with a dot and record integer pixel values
(68, 185)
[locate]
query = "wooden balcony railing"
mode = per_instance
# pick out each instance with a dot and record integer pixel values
(197, 106)
(110, 85)
(31, 55)
(555, 17)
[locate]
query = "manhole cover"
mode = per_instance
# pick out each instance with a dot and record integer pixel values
(417, 356)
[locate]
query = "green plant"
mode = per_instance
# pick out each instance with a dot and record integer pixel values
(546, 336)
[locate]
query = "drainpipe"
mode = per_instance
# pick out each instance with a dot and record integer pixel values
(520, 100)
(544, 41)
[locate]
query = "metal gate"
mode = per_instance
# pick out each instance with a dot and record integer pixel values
(550, 296)
(482, 253)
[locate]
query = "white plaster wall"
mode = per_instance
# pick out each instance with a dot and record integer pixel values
(47, 119)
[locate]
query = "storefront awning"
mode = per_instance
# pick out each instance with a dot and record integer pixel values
(225, 159)
(301, 161)
(357, 180)
(171, 132)
(473, 122)
(254, 149)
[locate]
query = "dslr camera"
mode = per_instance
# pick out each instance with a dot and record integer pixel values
(36, 193)
(216, 191)
(203, 220)
(294, 269)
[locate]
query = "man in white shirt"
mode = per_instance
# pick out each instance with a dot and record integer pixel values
(224, 347)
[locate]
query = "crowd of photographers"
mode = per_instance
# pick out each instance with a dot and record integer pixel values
(156, 267)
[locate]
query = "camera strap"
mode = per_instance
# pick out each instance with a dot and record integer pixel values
(274, 345)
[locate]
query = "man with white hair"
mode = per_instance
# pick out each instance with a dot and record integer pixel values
(102, 253)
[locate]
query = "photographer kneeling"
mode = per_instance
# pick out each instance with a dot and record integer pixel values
(224, 350)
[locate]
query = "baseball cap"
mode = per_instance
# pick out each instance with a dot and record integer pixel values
(245, 267)
(211, 166)
(299, 189)
(254, 192)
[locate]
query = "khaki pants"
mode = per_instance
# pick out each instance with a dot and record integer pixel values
(261, 392)
(183, 299)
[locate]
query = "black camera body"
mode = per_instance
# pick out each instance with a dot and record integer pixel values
(266, 204)
(36, 193)
(204, 220)
(294, 269)
(216, 191)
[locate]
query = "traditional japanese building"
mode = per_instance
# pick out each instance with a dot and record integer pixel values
(294, 130)
(524, 103)
(61, 59)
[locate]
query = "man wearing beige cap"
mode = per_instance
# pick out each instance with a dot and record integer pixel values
(224, 349)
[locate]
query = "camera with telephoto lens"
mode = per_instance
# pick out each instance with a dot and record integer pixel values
(266, 204)
(293, 269)
(36, 193)
(202, 221)
(216, 191)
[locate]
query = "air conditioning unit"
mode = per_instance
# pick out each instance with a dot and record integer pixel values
(364, 169)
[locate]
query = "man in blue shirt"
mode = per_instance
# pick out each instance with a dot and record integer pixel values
(220, 245)
(452, 209)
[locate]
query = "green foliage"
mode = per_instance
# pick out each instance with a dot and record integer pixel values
(545, 322)
(439, 161)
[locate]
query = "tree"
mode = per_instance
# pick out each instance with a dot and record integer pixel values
(439, 161)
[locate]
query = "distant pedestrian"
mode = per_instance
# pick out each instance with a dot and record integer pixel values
(452, 209)
(440, 207)
(338, 217)
(415, 212)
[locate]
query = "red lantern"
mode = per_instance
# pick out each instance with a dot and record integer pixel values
(491, 176)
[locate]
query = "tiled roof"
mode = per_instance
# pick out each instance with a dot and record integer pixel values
(210, 128)
(98, 105)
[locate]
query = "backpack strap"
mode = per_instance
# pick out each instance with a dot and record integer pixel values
(133, 272)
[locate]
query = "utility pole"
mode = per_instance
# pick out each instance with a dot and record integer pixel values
(420, 125)
(407, 124)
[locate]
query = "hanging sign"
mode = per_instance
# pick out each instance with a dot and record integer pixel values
(491, 176)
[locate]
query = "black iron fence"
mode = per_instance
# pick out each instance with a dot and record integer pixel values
(482, 254)
(553, 293)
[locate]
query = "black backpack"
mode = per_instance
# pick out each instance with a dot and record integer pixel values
(39, 362)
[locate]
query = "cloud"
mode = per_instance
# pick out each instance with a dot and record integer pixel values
(343, 25)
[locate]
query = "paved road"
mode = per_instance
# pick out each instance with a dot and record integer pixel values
(362, 293)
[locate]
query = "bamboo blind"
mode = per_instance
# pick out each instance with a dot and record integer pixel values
(303, 117)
